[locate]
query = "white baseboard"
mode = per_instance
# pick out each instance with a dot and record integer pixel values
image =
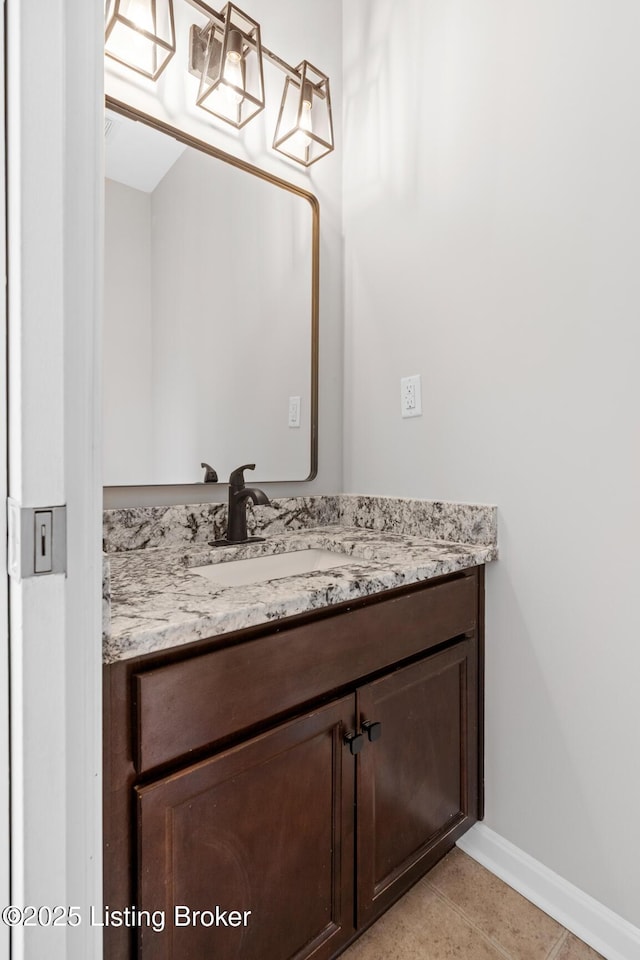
(601, 928)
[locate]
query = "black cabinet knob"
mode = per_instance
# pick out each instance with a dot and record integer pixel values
(373, 729)
(355, 741)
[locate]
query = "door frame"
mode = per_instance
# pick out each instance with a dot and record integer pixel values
(4, 586)
(54, 217)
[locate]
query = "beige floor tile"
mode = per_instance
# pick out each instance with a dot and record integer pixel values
(422, 926)
(525, 932)
(574, 949)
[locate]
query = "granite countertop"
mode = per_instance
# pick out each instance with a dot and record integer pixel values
(154, 600)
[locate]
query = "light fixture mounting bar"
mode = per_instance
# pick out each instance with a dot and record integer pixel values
(218, 18)
(279, 62)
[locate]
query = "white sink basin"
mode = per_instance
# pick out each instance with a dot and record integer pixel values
(237, 573)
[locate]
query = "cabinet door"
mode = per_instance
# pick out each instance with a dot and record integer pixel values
(265, 827)
(417, 783)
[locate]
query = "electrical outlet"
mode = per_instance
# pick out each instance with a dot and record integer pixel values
(294, 411)
(411, 396)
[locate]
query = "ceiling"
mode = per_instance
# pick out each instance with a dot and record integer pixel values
(136, 154)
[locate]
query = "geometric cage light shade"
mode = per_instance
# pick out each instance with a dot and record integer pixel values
(226, 55)
(231, 75)
(304, 131)
(141, 34)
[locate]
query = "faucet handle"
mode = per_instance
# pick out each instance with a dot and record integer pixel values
(210, 475)
(236, 479)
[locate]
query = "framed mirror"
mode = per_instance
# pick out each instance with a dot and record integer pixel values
(210, 340)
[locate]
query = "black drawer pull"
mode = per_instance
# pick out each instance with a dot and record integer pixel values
(355, 741)
(373, 729)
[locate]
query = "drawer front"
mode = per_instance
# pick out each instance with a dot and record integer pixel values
(192, 704)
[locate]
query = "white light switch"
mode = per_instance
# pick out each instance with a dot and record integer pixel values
(411, 396)
(294, 411)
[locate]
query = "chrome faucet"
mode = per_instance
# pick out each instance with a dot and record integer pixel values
(238, 496)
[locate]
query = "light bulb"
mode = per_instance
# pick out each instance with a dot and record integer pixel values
(233, 75)
(233, 72)
(301, 140)
(305, 123)
(140, 14)
(130, 46)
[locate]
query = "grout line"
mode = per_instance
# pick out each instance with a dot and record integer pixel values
(557, 947)
(457, 909)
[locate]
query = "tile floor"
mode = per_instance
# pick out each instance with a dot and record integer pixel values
(460, 911)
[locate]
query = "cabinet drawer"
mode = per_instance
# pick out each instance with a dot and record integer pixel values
(192, 704)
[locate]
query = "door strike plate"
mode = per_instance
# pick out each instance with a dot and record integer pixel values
(37, 540)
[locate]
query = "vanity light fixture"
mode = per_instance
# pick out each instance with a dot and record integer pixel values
(141, 34)
(304, 130)
(228, 57)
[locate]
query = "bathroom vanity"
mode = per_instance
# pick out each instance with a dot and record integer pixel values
(272, 788)
(286, 750)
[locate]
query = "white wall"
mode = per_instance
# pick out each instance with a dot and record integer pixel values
(492, 223)
(127, 335)
(294, 31)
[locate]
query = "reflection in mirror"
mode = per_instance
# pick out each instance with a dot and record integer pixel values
(210, 325)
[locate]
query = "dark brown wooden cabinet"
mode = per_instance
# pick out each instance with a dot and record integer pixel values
(263, 832)
(417, 783)
(237, 809)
